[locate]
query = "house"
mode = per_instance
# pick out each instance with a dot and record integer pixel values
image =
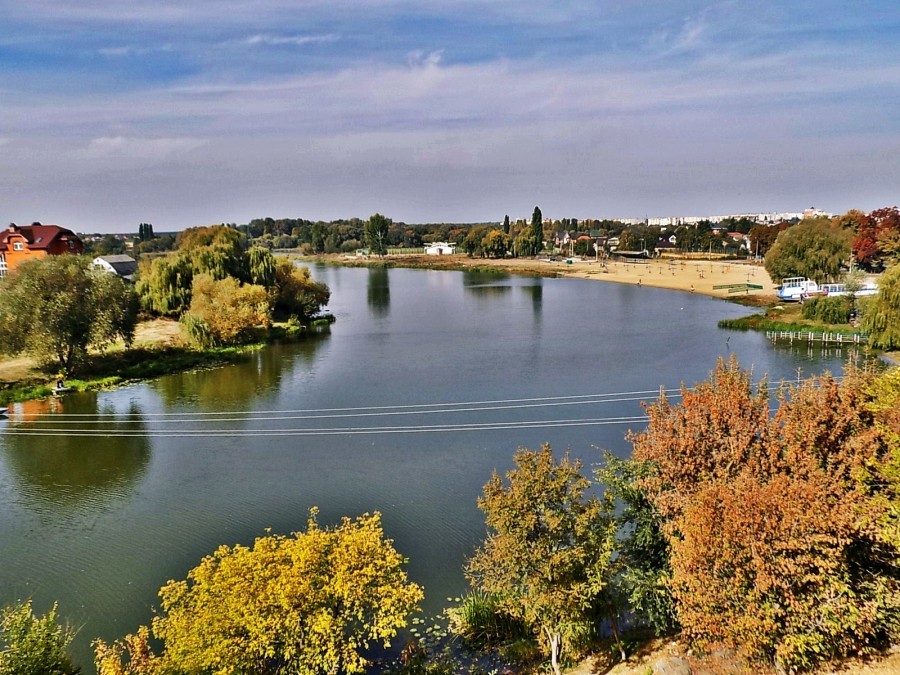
(123, 265)
(440, 248)
(19, 243)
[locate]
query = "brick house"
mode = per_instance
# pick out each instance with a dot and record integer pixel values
(19, 243)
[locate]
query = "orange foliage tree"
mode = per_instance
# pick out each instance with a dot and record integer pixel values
(769, 517)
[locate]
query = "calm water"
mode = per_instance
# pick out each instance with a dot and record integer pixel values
(100, 523)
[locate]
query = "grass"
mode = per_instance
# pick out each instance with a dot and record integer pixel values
(784, 318)
(144, 362)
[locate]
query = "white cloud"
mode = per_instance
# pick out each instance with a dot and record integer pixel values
(138, 148)
(295, 40)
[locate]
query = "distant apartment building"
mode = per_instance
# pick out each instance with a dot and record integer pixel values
(19, 243)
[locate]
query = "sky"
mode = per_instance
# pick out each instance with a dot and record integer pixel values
(117, 112)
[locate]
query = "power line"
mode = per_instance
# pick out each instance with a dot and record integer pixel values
(240, 433)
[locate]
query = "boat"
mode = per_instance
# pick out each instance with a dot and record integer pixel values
(795, 289)
(3, 412)
(837, 290)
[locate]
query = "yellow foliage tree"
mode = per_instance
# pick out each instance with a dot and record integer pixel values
(225, 312)
(307, 604)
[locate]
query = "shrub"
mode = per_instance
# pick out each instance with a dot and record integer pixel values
(34, 645)
(834, 310)
(224, 312)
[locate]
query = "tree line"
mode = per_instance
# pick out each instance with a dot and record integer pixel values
(767, 523)
(222, 289)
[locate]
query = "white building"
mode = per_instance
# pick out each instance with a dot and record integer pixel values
(440, 248)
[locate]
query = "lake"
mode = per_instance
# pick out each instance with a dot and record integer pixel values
(427, 382)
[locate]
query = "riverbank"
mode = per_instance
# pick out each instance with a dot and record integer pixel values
(158, 349)
(693, 276)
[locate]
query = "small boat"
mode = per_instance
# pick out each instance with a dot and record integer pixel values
(3, 412)
(61, 389)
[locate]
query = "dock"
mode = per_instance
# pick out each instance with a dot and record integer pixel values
(818, 336)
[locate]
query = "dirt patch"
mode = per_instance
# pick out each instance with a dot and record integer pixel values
(722, 662)
(156, 333)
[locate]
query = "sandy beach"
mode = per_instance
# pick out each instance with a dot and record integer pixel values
(697, 276)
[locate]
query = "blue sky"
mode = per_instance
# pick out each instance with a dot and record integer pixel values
(181, 113)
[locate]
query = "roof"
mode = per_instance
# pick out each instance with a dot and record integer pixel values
(38, 236)
(124, 265)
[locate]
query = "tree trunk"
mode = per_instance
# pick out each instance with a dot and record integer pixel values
(614, 623)
(555, 640)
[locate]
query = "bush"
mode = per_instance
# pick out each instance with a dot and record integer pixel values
(32, 645)
(834, 310)
(482, 623)
(224, 312)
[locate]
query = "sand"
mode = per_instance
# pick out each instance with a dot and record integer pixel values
(697, 276)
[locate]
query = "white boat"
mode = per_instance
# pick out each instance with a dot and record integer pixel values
(832, 290)
(3, 412)
(794, 289)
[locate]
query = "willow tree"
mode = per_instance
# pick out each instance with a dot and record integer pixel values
(548, 552)
(881, 318)
(815, 248)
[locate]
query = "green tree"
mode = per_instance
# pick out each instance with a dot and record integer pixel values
(34, 645)
(524, 244)
(548, 552)
(56, 308)
(164, 284)
(815, 248)
(506, 224)
(260, 266)
(881, 318)
(643, 571)
(297, 293)
(377, 230)
(308, 604)
(537, 230)
(495, 244)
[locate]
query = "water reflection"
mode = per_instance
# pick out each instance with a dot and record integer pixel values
(237, 386)
(63, 471)
(378, 291)
(536, 291)
(483, 285)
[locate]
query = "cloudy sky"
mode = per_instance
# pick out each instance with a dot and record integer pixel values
(116, 112)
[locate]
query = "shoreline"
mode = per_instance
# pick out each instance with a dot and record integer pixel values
(690, 276)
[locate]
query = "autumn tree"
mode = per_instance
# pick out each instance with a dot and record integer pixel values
(767, 519)
(877, 241)
(57, 308)
(297, 293)
(377, 229)
(762, 237)
(34, 645)
(548, 550)
(495, 244)
(308, 604)
(815, 248)
(224, 311)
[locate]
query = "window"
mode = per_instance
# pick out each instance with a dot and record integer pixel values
(18, 246)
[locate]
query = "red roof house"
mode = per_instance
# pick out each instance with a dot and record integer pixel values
(19, 243)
